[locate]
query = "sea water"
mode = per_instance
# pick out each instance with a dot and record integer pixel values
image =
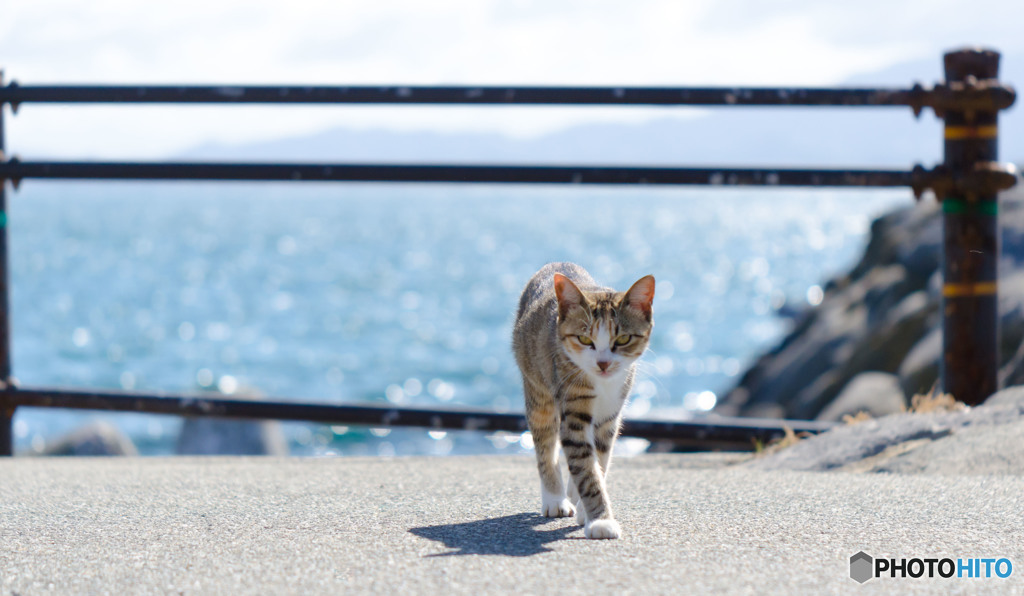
(400, 294)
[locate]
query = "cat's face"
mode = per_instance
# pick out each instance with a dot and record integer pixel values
(603, 333)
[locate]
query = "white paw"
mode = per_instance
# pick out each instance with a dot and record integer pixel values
(556, 506)
(581, 513)
(602, 528)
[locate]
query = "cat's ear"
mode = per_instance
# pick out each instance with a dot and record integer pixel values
(569, 296)
(641, 295)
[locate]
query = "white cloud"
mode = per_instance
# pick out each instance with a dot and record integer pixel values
(643, 42)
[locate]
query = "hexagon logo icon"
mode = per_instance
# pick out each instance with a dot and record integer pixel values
(861, 567)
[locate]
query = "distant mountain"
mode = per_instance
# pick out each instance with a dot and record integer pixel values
(824, 137)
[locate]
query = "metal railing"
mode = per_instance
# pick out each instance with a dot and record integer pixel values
(966, 182)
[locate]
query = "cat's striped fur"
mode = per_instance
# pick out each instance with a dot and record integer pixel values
(577, 344)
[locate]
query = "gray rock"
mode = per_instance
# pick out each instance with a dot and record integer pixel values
(853, 443)
(1011, 311)
(876, 393)
(214, 436)
(937, 442)
(920, 369)
(1012, 397)
(885, 344)
(96, 438)
(883, 316)
(225, 436)
(972, 451)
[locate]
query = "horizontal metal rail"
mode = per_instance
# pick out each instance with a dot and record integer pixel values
(712, 433)
(485, 95)
(18, 170)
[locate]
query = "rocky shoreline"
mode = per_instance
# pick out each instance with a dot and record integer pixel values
(875, 340)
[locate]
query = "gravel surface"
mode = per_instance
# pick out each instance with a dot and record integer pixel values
(692, 524)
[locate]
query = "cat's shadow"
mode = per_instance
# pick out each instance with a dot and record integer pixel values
(512, 535)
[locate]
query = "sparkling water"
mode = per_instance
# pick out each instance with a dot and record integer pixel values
(389, 293)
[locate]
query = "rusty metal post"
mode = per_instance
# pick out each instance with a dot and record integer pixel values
(970, 332)
(6, 408)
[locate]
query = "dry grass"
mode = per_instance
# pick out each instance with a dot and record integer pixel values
(857, 418)
(788, 440)
(935, 401)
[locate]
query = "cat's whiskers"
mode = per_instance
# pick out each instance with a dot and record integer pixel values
(648, 371)
(577, 379)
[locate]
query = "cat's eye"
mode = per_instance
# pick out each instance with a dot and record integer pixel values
(622, 340)
(583, 339)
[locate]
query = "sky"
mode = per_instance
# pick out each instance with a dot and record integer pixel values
(473, 42)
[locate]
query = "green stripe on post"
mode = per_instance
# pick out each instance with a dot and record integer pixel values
(960, 206)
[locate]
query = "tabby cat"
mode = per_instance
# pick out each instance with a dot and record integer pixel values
(577, 344)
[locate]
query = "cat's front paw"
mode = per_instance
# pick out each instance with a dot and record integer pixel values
(602, 528)
(557, 506)
(581, 513)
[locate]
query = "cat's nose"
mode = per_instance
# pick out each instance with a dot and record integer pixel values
(603, 365)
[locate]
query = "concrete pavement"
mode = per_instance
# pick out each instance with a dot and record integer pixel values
(469, 525)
